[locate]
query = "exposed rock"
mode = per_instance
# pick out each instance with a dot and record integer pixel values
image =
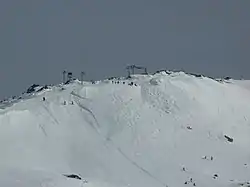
(31, 89)
(73, 176)
(228, 138)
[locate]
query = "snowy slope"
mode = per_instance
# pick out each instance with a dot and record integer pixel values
(151, 130)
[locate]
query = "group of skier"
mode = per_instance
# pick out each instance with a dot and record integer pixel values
(130, 84)
(64, 102)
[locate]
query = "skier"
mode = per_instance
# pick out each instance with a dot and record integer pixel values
(43, 98)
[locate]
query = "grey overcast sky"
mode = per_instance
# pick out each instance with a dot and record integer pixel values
(41, 38)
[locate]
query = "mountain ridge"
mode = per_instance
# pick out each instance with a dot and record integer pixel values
(147, 130)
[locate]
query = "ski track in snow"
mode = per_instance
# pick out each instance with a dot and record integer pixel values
(117, 148)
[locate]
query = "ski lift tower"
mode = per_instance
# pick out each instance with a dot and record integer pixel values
(64, 76)
(128, 68)
(70, 76)
(82, 75)
(143, 68)
(131, 69)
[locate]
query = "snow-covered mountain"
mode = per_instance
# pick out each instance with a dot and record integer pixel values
(167, 129)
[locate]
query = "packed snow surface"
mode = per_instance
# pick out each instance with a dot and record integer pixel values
(170, 130)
